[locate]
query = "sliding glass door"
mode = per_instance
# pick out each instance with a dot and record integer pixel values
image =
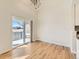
(21, 31)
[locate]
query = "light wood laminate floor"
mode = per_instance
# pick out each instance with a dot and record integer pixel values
(39, 50)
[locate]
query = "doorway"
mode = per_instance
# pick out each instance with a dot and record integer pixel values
(21, 31)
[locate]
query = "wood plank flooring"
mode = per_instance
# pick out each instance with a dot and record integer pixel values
(39, 50)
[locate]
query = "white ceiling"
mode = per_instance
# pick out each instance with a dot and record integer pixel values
(23, 8)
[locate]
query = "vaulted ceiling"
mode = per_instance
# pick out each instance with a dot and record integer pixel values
(22, 8)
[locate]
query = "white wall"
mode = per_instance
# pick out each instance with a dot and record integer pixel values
(5, 36)
(9, 8)
(55, 23)
(77, 14)
(35, 25)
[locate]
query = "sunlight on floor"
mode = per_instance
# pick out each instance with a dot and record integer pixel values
(20, 42)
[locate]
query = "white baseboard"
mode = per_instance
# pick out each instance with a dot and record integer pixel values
(52, 42)
(5, 51)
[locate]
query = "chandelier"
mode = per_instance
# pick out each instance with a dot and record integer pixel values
(36, 3)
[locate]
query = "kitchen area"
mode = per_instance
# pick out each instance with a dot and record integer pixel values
(76, 27)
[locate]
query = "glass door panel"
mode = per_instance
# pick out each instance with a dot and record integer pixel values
(17, 31)
(21, 31)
